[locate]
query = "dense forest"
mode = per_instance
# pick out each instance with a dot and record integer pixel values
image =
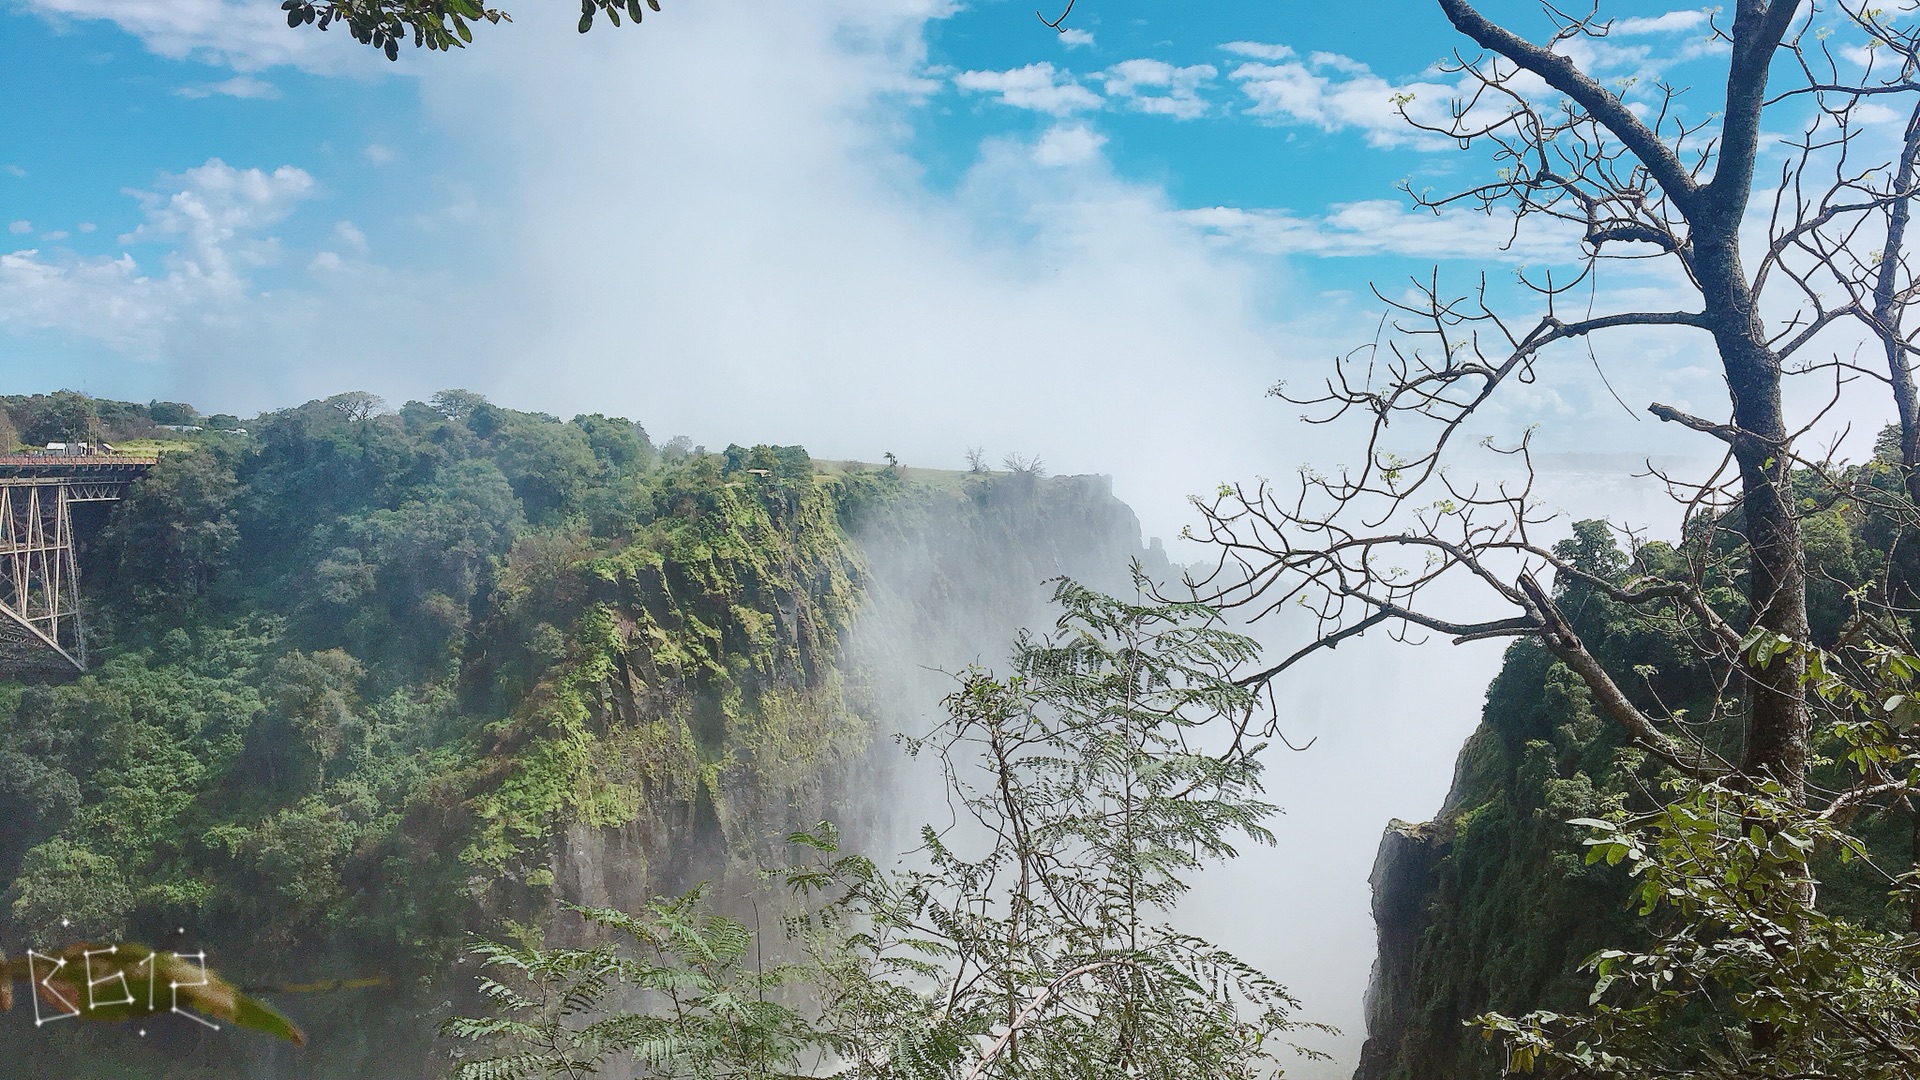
(370, 681)
(1493, 906)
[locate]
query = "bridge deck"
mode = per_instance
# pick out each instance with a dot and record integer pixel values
(27, 468)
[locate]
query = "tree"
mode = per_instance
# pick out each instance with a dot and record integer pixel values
(172, 412)
(356, 405)
(62, 416)
(167, 546)
(713, 1020)
(1039, 942)
(1650, 183)
(456, 404)
(435, 24)
(1029, 945)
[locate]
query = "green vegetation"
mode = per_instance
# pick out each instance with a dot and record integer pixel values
(1028, 945)
(362, 669)
(1618, 901)
(354, 635)
(713, 1019)
(436, 24)
(369, 682)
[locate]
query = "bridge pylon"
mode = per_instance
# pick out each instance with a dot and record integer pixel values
(39, 574)
(40, 624)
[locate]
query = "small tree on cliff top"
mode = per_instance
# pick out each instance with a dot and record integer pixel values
(1033, 943)
(1780, 272)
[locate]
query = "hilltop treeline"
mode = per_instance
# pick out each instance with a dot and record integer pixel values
(67, 416)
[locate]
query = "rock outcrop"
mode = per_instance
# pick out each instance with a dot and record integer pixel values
(1403, 882)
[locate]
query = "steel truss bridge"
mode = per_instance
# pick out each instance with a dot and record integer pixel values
(39, 571)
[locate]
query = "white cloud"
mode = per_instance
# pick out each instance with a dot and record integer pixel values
(1385, 227)
(209, 220)
(240, 86)
(56, 235)
(244, 34)
(1631, 59)
(1333, 92)
(1672, 22)
(1075, 38)
(87, 226)
(103, 300)
(214, 214)
(1872, 112)
(348, 235)
(1068, 144)
(1039, 87)
(1178, 88)
(379, 154)
(1258, 51)
(14, 171)
(20, 228)
(1346, 64)
(1336, 93)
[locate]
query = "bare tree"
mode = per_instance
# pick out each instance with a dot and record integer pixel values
(1648, 185)
(1024, 464)
(356, 405)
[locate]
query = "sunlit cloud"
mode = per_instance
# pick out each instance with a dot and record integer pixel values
(240, 86)
(209, 224)
(1155, 86)
(1039, 87)
(1337, 93)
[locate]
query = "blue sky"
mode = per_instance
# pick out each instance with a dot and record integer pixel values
(202, 203)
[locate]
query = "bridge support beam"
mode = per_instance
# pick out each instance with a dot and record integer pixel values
(39, 575)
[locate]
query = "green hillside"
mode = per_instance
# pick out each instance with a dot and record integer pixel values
(370, 682)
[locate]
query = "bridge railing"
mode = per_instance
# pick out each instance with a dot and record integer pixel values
(49, 457)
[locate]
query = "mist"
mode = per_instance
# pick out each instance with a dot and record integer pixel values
(759, 260)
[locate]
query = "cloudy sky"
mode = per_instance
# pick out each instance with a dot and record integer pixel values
(862, 225)
(867, 226)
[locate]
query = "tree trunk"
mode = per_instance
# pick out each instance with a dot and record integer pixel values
(1886, 318)
(1777, 715)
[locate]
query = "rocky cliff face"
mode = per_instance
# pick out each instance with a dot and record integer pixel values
(864, 638)
(1490, 906)
(1403, 883)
